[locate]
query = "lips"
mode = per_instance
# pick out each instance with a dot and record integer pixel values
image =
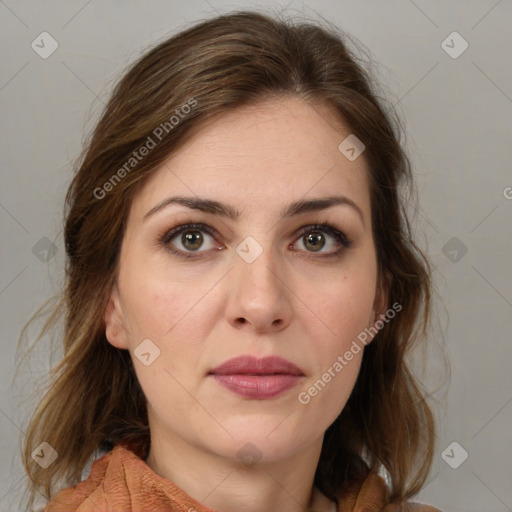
(250, 365)
(257, 378)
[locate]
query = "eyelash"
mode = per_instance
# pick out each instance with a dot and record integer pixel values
(324, 227)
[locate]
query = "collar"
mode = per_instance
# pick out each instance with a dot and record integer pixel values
(121, 480)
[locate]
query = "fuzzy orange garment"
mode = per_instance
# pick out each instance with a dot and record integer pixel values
(120, 481)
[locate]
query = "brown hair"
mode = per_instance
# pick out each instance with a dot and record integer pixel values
(216, 66)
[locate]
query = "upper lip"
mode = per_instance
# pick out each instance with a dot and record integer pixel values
(251, 365)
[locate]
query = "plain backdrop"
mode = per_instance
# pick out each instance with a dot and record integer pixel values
(446, 67)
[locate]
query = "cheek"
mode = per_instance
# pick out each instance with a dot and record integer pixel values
(158, 305)
(344, 307)
(176, 316)
(327, 392)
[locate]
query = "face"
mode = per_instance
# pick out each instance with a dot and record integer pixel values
(244, 267)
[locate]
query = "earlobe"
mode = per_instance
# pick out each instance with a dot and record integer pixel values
(114, 327)
(382, 295)
(380, 305)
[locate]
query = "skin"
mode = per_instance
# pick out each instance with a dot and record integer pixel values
(291, 301)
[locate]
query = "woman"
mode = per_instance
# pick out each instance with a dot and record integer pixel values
(242, 289)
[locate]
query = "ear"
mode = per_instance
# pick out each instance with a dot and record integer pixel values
(380, 304)
(114, 324)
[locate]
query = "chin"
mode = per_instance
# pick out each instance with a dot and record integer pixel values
(261, 440)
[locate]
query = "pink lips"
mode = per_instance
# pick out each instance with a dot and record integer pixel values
(257, 378)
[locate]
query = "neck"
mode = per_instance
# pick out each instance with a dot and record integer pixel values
(230, 486)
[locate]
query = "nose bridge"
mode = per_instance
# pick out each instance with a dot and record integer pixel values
(259, 296)
(257, 264)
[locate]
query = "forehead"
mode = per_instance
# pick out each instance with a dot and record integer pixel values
(274, 152)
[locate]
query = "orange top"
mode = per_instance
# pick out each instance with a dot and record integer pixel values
(120, 481)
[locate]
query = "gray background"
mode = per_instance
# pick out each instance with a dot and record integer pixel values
(457, 112)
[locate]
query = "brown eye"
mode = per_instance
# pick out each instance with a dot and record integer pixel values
(314, 241)
(323, 239)
(185, 239)
(192, 240)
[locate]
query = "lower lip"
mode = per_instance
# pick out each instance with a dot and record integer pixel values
(258, 386)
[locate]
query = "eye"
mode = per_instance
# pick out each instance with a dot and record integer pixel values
(313, 239)
(189, 238)
(186, 239)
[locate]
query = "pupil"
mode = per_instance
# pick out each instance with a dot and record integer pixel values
(313, 239)
(192, 240)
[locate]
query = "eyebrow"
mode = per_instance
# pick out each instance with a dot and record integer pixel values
(224, 210)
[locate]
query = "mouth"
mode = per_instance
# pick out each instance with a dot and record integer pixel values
(258, 378)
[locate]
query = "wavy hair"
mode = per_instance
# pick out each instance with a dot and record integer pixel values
(233, 60)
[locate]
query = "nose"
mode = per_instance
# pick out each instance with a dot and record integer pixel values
(259, 298)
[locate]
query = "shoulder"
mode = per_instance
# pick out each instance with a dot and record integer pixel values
(372, 495)
(72, 497)
(409, 507)
(418, 507)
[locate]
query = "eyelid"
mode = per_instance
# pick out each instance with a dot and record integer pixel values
(184, 226)
(327, 228)
(187, 226)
